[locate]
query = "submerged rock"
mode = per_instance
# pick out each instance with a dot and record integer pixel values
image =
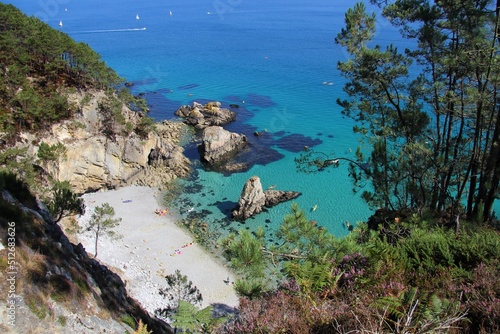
(253, 199)
(200, 116)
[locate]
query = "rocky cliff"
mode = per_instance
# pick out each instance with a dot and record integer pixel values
(102, 152)
(49, 283)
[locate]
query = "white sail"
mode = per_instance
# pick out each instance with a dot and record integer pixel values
(60, 23)
(137, 17)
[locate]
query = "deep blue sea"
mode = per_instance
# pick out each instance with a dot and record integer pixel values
(275, 58)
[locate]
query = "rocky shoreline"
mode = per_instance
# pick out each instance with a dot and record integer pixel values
(93, 161)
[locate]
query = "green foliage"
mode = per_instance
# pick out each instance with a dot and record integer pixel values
(129, 320)
(245, 253)
(102, 222)
(409, 275)
(429, 136)
(35, 61)
(312, 277)
(16, 161)
(416, 311)
(359, 30)
(305, 252)
(64, 202)
(304, 238)
(190, 318)
(111, 110)
(178, 289)
(145, 126)
(250, 287)
(53, 152)
(134, 103)
(62, 320)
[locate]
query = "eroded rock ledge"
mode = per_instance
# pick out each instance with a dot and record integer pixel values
(253, 199)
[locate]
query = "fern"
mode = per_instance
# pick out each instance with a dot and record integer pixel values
(189, 318)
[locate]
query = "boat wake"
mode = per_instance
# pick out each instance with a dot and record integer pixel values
(109, 30)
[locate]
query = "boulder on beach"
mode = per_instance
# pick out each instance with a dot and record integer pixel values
(201, 116)
(253, 199)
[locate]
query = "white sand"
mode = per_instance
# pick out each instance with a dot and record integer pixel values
(143, 254)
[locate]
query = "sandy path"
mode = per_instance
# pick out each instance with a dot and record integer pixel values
(145, 252)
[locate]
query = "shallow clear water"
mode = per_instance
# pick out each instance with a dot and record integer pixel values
(276, 59)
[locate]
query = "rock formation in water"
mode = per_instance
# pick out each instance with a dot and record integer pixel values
(200, 116)
(253, 199)
(274, 197)
(218, 145)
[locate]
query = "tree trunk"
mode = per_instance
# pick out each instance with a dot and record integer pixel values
(96, 239)
(490, 180)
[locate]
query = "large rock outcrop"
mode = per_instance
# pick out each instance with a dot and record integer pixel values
(253, 199)
(200, 116)
(219, 145)
(94, 159)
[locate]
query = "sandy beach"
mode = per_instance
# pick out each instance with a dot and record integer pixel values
(149, 246)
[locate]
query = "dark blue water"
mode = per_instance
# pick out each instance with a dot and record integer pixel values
(276, 59)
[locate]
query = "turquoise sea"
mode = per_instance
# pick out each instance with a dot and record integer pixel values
(275, 58)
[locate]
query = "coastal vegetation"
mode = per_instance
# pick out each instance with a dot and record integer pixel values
(429, 125)
(40, 67)
(428, 116)
(101, 223)
(48, 80)
(426, 262)
(408, 274)
(183, 299)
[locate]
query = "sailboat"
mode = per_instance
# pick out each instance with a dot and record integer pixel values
(170, 13)
(137, 17)
(60, 23)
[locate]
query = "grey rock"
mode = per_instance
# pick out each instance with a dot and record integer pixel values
(200, 116)
(253, 199)
(219, 144)
(274, 197)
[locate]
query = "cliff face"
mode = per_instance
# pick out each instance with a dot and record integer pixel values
(49, 283)
(94, 159)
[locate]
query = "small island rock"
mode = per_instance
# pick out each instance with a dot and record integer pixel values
(219, 144)
(253, 199)
(201, 116)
